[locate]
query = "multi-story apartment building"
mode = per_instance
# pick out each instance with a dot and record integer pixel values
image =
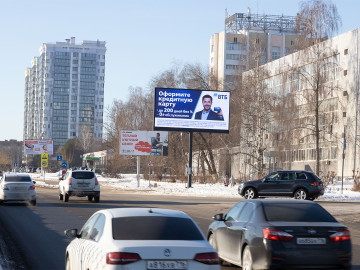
(321, 80)
(232, 50)
(64, 91)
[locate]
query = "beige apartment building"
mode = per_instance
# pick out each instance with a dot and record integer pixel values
(231, 51)
(333, 63)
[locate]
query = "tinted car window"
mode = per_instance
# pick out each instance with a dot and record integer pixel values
(246, 213)
(83, 175)
(98, 228)
(85, 231)
(297, 213)
(16, 178)
(155, 228)
(300, 176)
(286, 176)
(233, 213)
(273, 177)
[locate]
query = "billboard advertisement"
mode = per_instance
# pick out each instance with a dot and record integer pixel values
(191, 110)
(37, 147)
(144, 143)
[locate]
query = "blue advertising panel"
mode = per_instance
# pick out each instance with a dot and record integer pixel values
(191, 110)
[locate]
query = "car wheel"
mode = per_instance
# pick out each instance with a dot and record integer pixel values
(212, 241)
(61, 197)
(250, 193)
(301, 194)
(67, 266)
(247, 259)
(90, 198)
(66, 197)
(33, 202)
(97, 198)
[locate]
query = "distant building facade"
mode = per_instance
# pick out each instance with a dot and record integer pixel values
(231, 51)
(338, 63)
(64, 91)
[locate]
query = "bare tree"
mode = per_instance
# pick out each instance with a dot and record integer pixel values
(316, 68)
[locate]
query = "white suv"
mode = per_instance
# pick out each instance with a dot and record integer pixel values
(79, 183)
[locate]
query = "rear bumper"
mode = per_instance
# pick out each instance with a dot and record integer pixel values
(18, 196)
(83, 193)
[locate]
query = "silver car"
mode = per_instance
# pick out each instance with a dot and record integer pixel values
(17, 187)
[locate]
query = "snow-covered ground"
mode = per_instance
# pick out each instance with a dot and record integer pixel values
(337, 191)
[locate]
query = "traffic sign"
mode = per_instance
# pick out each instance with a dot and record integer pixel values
(15, 164)
(150, 163)
(64, 164)
(44, 156)
(44, 163)
(59, 158)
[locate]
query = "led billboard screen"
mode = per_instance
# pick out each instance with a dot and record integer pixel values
(191, 110)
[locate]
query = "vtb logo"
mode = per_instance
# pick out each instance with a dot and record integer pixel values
(222, 96)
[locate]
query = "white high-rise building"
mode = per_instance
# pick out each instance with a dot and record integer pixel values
(64, 91)
(232, 50)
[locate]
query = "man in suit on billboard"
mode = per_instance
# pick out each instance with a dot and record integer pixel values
(207, 113)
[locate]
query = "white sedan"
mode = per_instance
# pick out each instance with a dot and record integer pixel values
(17, 187)
(140, 238)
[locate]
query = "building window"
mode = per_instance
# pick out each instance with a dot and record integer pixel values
(276, 52)
(345, 72)
(346, 51)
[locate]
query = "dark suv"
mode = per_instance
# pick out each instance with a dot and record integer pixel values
(302, 185)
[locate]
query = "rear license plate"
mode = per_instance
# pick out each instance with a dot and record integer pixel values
(83, 184)
(311, 241)
(163, 265)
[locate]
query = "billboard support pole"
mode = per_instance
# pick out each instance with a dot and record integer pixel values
(138, 171)
(190, 159)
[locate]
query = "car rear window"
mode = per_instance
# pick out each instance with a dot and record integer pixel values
(297, 213)
(82, 175)
(155, 228)
(16, 178)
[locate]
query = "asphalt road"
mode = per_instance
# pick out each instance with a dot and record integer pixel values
(36, 232)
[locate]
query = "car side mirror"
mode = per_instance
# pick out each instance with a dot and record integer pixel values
(61, 178)
(219, 217)
(72, 233)
(34, 182)
(265, 179)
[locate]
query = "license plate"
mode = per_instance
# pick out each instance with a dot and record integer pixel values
(311, 241)
(163, 265)
(83, 184)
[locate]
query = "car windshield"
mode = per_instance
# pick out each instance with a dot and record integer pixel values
(83, 175)
(16, 178)
(297, 213)
(155, 228)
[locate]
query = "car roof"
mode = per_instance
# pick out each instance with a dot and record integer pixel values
(293, 171)
(283, 201)
(17, 174)
(126, 212)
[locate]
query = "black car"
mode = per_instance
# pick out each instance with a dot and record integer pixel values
(302, 185)
(280, 234)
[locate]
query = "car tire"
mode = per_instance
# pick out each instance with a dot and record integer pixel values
(90, 198)
(301, 194)
(250, 193)
(33, 202)
(97, 198)
(61, 197)
(247, 262)
(66, 197)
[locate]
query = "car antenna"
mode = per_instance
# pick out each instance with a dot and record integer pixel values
(150, 210)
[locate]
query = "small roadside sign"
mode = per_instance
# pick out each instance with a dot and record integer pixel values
(59, 158)
(44, 163)
(44, 156)
(64, 164)
(150, 164)
(15, 164)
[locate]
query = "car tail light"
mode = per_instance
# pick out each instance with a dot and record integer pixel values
(277, 235)
(32, 187)
(340, 236)
(96, 182)
(207, 258)
(122, 257)
(315, 183)
(70, 181)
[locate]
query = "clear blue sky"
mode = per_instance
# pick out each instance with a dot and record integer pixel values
(144, 37)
